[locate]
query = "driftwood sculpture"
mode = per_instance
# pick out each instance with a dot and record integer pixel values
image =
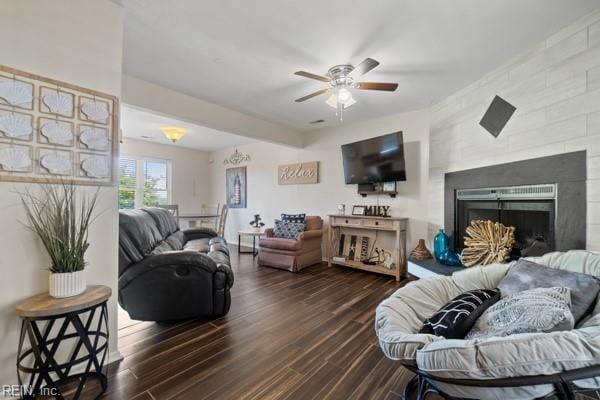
(487, 242)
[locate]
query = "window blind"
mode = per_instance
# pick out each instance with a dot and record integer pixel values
(127, 182)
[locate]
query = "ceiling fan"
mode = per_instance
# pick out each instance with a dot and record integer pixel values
(342, 78)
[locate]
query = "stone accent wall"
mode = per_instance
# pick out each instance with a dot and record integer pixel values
(556, 89)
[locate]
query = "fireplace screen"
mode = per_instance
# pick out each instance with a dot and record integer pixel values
(530, 209)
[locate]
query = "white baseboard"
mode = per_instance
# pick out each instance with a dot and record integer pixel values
(114, 356)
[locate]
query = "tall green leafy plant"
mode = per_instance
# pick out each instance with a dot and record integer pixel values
(61, 218)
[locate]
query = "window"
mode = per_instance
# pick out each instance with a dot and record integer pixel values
(127, 186)
(143, 182)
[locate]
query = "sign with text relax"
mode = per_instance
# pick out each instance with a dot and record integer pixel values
(299, 173)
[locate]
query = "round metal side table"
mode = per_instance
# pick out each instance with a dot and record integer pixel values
(63, 341)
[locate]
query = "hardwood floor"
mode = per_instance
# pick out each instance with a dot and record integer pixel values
(287, 336)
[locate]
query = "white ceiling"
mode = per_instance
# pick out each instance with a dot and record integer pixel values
(242, 54)
(143, 125)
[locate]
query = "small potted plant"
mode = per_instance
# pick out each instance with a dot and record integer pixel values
(61, 218)
(257, 222)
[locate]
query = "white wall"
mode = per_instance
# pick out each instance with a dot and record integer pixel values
(190, 178)
(556, 89)
(269, 199)
(79, 42)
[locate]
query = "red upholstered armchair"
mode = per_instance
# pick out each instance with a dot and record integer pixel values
(293, 254)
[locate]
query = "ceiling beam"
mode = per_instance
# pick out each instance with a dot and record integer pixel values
(146, 95)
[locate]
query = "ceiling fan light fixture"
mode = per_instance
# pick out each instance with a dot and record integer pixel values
(332, 101)
(344, 95)
(349, 103)
(340, 97)
(173, 133)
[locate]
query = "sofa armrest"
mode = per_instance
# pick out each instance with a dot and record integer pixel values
(169, 259)
(269, 232)
(223, 277)
(313, 234)
(199, 233)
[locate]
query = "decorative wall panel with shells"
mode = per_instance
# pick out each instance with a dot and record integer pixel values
(16, 93)
(55, 162)
(57, 102)
(51, 131)
(16, 125)
(15, 158)
(56, 131)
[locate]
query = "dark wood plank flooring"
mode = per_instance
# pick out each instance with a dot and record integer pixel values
(288, 336)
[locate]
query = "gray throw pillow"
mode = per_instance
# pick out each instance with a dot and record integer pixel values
(535, 310)
(287, 230)
(526, 275)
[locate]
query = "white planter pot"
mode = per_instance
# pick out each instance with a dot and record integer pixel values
(67, 284)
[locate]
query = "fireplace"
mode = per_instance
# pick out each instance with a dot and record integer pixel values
(531, 209)
(544, 198)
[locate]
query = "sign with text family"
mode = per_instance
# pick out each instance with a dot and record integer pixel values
(299, 173)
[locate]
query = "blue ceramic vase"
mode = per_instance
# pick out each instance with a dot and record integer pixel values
(441, 251)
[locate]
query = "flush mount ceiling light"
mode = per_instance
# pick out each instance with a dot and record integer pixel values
(173, 133)
(341, 79)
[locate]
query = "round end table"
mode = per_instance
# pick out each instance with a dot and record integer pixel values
(67, 341)
(249, 232)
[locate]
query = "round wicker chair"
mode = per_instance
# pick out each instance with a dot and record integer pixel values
(522, 366)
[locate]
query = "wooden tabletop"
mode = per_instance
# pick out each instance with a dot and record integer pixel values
(43, 305)
(198, 215)
(368, 217)
(251, 232)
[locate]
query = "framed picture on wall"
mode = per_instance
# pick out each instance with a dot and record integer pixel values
(236, 187)
(358, 210)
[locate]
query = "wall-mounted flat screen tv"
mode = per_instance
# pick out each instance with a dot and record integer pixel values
(380, 159)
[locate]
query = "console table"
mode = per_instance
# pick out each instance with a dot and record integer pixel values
(68, 342)
(393, 226)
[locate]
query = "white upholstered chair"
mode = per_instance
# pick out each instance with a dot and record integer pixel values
(521, 366)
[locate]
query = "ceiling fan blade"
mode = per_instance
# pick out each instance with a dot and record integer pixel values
(388, 87)
(364, 67)
(310, 96)
(312, 76)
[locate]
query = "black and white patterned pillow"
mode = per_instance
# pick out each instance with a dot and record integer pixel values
(287, 230)
(299, 218)
(457, 317)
